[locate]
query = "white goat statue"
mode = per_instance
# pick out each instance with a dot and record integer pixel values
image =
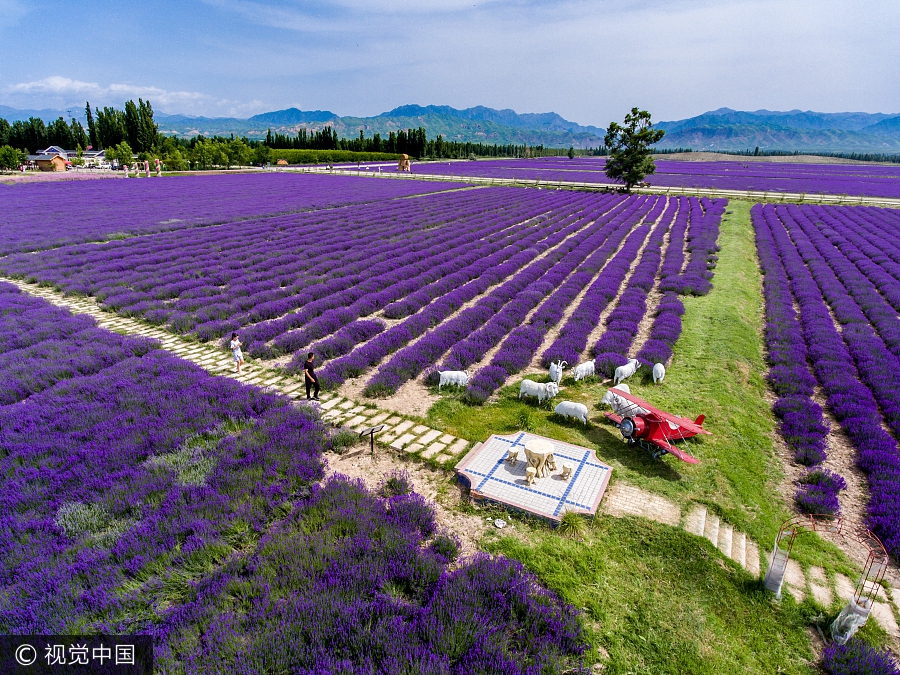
(620, 406)
(571, 409)
(659, 372)
(531, 388)
(458, 377)
(583, 370)
(556, 371)
(626, 371)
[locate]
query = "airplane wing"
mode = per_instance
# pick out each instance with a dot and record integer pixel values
(617, 419)
(680, 454)
(674, 419)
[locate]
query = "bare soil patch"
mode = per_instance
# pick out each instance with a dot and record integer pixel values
(436, 486)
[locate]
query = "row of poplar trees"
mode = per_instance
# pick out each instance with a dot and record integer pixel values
(107, 127)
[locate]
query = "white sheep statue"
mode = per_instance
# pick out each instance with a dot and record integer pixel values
(556, 371)
(626, 371)
(542, 391)
(621, 406)
(460, 378)
(659, 372)
(583, 370)
(572, 409)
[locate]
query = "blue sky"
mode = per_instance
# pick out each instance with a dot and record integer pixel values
(588, 60)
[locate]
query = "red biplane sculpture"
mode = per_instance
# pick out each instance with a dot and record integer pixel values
(653, 429)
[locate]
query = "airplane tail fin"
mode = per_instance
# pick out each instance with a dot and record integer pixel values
(699, 420)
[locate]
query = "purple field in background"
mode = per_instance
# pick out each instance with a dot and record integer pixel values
(148, 497)
(40, 216)
(870, 180)
(841, 266)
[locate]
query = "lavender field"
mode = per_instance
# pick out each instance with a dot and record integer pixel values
(40, 216)
(142, 495)
(832, 285)
(467, 279)
(836, 179)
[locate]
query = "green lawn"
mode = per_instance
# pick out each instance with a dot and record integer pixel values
(658, 600)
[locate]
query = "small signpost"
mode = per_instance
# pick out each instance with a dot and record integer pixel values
(370, 432)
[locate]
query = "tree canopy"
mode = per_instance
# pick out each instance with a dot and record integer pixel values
(630, 156)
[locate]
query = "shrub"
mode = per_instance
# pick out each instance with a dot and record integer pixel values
(446, 545)
(341, 440)
(395, 484)
(857, 658)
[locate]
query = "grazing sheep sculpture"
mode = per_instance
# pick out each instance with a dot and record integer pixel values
(583, 370)
(619, 405)
(659, 372)
(556, 371)
(542, 391)
(460, 378)
(572, 409)
(626, 371)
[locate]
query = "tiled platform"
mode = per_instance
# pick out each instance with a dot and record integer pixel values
(491, 477)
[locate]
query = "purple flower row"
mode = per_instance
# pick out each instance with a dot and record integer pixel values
(412, 360)
(704, 232)
(801, 422)
(459, 290)
(834, 357)
(518, 349)
(40, 216)
(611, 350)
(398, 277)
(582, 258)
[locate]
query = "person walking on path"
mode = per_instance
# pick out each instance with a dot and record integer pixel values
(309, 375)
(236, 350)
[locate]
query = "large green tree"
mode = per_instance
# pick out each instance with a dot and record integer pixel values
(10, 158)
(630, 156)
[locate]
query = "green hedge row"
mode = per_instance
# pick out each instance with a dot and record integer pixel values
(330, 156)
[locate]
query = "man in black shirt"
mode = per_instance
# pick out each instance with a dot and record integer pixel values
(310, 376)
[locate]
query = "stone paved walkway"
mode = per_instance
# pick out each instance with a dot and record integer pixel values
(398, 432)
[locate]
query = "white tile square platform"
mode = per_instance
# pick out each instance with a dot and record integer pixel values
(491, 477)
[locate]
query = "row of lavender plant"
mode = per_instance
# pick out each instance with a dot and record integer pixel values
(800, 419)
(611, 350)
(40, 216)
(457, 290)
(453, 250)
(834, 358)
(152, 498)
(413, 360)
(517, 350)
(553, 291)
(704, 233)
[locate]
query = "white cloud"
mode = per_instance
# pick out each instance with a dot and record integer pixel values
(63, 89)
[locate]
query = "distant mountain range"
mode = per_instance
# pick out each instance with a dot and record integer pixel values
(722, 129)
(727, 129)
